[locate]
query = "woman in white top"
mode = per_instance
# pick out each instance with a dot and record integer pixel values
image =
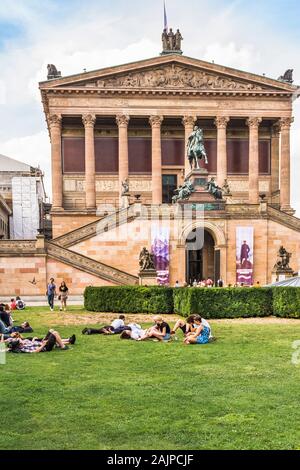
(136, 332)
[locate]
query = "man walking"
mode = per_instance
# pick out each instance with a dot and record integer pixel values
(51, 293)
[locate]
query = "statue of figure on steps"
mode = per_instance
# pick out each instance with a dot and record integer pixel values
(125, 187)
(146, 260)
(183, 192)
(226, 188)
(284, 262)
(214, 189)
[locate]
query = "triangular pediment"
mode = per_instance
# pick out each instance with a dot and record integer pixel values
(171, 73)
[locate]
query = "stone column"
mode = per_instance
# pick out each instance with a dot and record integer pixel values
(275, 152)
(89, 121)
(221, 124)
(56, 161)
(285, 164)
(189, 123)
(156, 122)
(122, 121)
(253, 124)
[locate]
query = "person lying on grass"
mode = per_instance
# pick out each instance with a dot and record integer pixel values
(135, 332)
(200, 336)
(160, 331)
(189, 326)
(36, 345)
(24, 328)
(116, 327)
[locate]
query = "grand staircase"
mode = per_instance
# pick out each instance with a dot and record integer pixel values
(283, 218)
(58, 248)
(97, 227)
(89, 265)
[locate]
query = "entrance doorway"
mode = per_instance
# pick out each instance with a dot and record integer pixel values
(201, 263)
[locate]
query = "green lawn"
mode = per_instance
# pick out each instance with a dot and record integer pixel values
(241, 392)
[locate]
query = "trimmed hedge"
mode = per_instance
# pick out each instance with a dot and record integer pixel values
(224, 303)
(129, 299)
(286, 302)
(209, 302)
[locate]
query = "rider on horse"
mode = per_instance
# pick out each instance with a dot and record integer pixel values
(196, 149)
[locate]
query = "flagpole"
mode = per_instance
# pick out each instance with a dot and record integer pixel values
(165, 16)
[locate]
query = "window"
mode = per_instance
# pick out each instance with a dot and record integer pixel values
(169, 183)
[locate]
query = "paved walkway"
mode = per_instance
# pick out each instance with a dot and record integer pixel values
(41, 301)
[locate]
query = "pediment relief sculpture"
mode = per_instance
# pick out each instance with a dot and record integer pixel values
(174, 76)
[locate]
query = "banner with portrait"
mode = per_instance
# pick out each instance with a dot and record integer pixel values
(160, 248)
(244, 255)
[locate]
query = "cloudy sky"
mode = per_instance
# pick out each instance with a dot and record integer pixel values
(261, 36)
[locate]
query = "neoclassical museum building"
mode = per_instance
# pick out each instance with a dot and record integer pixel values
(132, 123)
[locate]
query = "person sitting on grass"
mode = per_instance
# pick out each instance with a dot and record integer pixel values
(20, 304)
(36, 345)
(159, 332)
(13, 304)
(135, 332)
(5, 316)
(189, 325)
(117, 326)
(200, 336)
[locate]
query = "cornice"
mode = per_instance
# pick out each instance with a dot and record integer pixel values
(170, 59)
(164, 92)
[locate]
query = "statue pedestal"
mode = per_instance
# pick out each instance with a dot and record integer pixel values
(148, 277)
(124, 201)
(168, 52)
(199, 179)
(281, 274)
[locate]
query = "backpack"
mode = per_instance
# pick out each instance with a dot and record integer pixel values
(20, 305)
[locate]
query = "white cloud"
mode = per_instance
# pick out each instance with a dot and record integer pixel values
(2, 92)
(229, 53)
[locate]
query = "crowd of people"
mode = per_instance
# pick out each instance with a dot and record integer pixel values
(6, 319)
(196, 330)
(210, 283)
(12, 335)
(201, 283)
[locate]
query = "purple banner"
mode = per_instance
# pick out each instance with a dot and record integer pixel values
(160, 250)
(244, 255)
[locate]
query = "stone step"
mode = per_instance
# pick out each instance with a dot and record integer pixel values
(283, 218)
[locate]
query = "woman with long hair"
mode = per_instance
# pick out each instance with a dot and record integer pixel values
(63, 296)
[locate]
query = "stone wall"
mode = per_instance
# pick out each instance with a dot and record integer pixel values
(25, 266)
(76, 280)
(23, 275)
(28, 276)
(62, 224)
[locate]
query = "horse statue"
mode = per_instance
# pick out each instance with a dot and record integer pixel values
(196, 149)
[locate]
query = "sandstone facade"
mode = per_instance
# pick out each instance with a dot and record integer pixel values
(132, 122)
